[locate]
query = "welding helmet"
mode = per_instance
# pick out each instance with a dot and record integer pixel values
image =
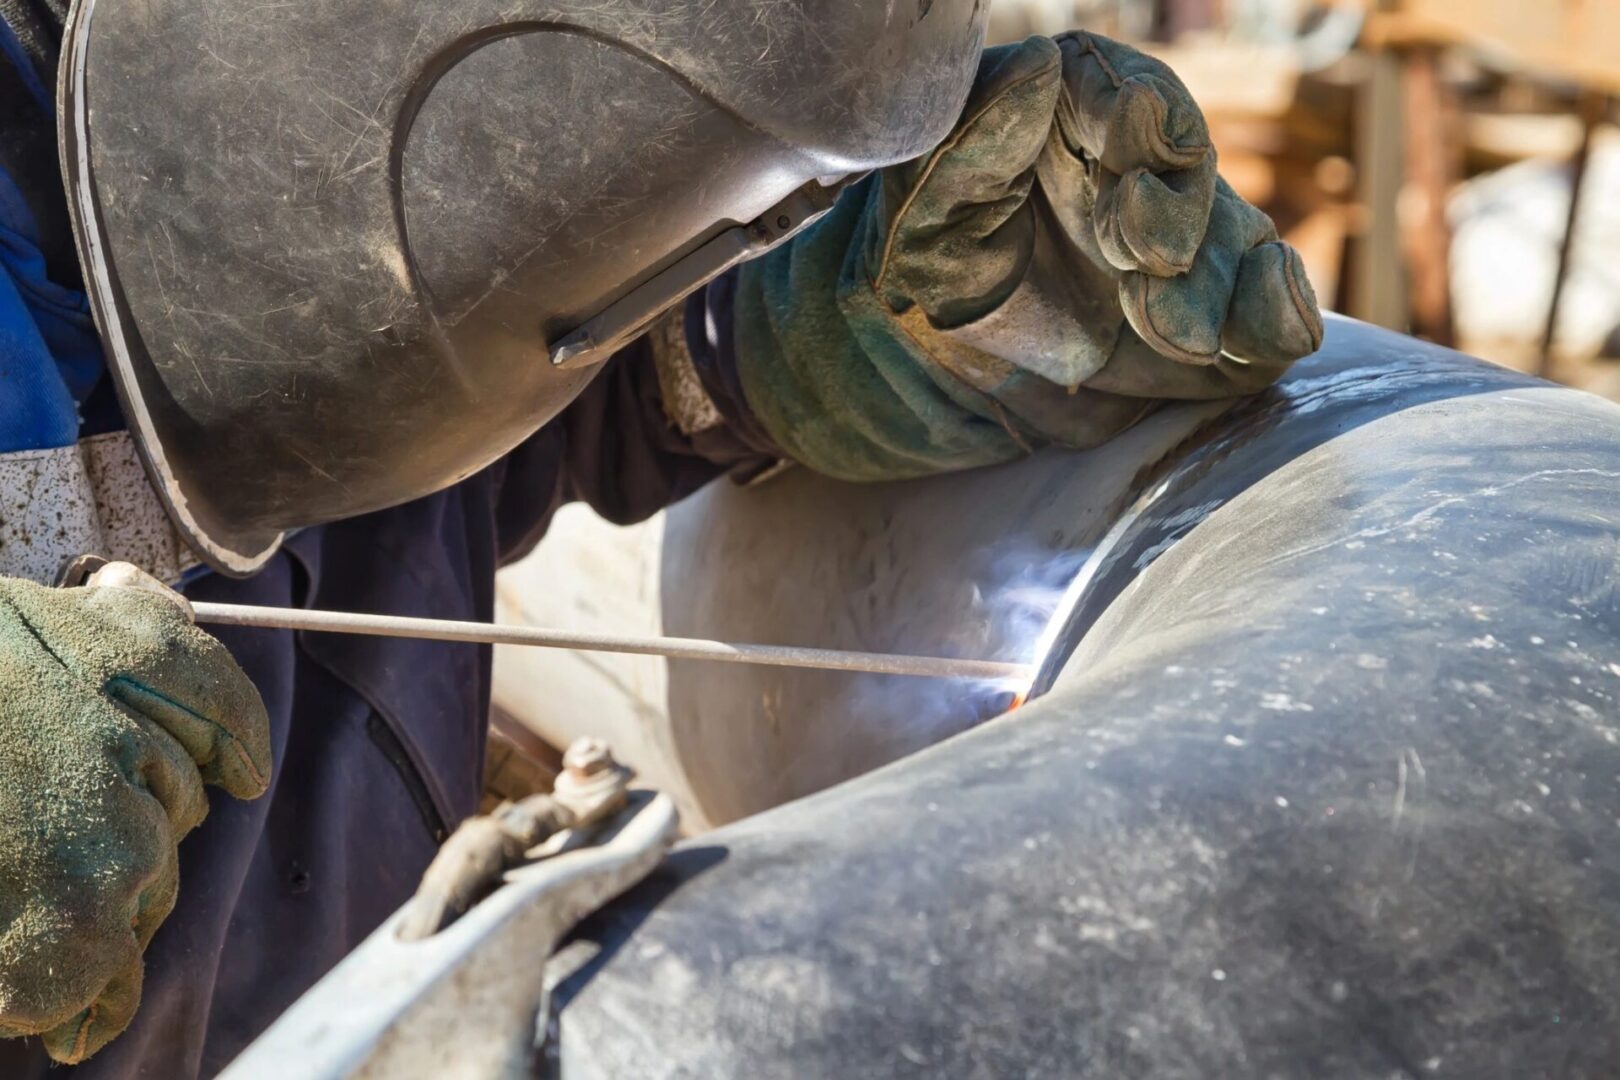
(344, 254)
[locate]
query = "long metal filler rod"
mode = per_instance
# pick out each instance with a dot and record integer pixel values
(343, 622)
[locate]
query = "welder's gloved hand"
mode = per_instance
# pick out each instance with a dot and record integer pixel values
(114, 712)
(1064, 262)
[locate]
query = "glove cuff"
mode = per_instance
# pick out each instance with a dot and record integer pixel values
(89, 498)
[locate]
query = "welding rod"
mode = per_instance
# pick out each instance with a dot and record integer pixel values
(343, 622)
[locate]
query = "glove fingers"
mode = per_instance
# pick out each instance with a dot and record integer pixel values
(157, 901)
(1274, 319)
(1127, 110)
(170, 775)
(1183, 317)
(1153, 223)
(168, 671)
(79, 908)
(141, 649)
(1155, 164)
(1136, 370)
(961, 231)
(986, 160)
(223, 742)
(74, 1040)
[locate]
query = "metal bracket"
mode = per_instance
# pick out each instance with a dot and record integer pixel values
(629, 315)
(462, 1002)
(77, 571)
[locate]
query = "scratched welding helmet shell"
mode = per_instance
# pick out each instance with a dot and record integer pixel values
(346, 254)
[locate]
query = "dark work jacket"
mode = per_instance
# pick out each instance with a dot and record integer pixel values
(378, 742)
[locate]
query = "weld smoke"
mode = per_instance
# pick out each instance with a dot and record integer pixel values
(1000, 606)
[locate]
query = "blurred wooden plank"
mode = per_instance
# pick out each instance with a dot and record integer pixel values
(1320, 239)
(1379, 287)
(1233, 80)
(1431, 170)
(1593, 108)
(1573, 40)
(1493, 140)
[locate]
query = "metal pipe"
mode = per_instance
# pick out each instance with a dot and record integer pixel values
(343, 622)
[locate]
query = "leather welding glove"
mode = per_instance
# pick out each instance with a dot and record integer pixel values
(1065, 261)
(114, 712)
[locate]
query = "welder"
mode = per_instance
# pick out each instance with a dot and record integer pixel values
(334, 305)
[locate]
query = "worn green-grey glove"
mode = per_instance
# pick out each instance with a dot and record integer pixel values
(114, 712)
(1064, 262)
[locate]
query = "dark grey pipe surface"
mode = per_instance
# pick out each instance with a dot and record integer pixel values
(1328, 785)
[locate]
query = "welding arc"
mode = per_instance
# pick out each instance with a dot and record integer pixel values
(343, 622)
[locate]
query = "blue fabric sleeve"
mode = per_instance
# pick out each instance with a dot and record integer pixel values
(50, 355)
(37, 409)
(12, 51)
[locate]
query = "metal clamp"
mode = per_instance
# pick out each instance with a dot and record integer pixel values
(462, 1001)
(469, 866)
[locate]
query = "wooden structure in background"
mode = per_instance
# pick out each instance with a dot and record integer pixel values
(1433, 166)
(1560, 41)
(1379, 270)
(1572, 40)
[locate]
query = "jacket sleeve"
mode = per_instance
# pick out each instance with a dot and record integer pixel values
(626, 446)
